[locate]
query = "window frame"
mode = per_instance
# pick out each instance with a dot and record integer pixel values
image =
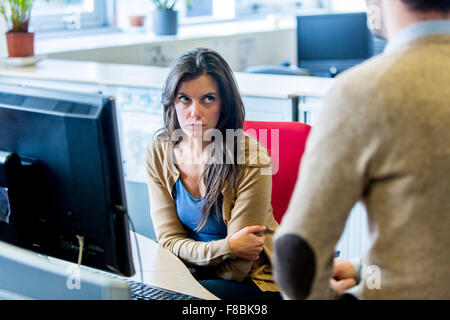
(218, 13)
(101, 17)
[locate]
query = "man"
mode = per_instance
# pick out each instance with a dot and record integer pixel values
(383, 138)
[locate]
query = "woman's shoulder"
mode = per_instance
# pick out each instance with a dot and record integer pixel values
(159, 161)
(157, 148)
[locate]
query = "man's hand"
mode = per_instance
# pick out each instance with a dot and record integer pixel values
(248, 242)
(344, 276)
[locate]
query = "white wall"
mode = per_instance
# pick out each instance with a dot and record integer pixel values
(273, 47)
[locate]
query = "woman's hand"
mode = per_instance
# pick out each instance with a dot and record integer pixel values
(248, 242)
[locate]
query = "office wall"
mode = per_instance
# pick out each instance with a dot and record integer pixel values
(241, 51)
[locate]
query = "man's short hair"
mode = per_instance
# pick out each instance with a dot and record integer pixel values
(429, 5)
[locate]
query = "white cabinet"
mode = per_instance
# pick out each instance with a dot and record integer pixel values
(355, 239)
(309, 108)
(267, 109)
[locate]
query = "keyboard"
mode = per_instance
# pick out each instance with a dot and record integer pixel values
(144, 291)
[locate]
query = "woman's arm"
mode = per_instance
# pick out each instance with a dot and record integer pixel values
(252, 207)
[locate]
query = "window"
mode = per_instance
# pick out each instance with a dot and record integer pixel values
(249, 8)
(199, 8)
(197, 11)
(206, 10)
(62, 15)
(349, 5)
(68, 14)
(255, 8)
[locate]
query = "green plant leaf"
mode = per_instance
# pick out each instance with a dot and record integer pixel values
(165, 4)
(17, 14)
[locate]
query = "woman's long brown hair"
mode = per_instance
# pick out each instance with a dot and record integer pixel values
(191, 65)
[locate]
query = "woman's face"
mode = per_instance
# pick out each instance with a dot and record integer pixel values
(197, 104)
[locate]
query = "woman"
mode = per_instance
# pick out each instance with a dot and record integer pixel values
(210, 202)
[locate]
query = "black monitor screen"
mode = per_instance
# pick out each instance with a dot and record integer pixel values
(332, 40)
(61, 177)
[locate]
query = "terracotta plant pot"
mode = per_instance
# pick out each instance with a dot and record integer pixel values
(136, 21)
(20, 44)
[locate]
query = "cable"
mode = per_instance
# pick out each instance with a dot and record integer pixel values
(137, 246)
(81, 245)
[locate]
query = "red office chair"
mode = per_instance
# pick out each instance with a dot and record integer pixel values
(292, 140)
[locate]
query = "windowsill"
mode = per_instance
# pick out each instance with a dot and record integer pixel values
(107, 37)
(64, 34)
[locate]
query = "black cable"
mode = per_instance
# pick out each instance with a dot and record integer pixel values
(137, 247)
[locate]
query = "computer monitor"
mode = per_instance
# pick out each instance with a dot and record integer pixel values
(61, 178)
(328, 44)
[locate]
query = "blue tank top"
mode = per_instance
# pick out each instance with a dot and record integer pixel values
(189, 211)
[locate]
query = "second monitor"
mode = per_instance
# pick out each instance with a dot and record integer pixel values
(328, 44)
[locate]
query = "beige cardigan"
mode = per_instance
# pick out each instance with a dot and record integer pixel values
(247, 205)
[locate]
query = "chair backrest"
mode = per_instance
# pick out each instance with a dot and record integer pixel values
(286, 154)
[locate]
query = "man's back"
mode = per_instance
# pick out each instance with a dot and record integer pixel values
(383, 138)
(407, 193)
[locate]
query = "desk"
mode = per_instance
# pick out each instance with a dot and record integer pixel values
(163, 269)
(25, 274)
(101, 76)
(160, 268)
(140, 76)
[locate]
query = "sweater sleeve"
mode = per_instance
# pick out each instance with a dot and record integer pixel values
(169, 230)
(251, 207)
(333, 177)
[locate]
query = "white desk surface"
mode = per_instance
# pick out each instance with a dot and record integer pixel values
(257, 85)
(161, 268)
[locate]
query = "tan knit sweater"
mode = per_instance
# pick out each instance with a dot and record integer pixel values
(248, 204)
(383, 137)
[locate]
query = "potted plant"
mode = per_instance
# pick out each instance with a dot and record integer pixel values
(136, 20)
(165, 17)
(17, 15)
